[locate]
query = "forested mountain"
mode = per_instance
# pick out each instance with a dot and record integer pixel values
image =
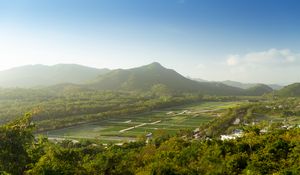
(259, 89)
(292, 90)
(41, 75)
(146, 77)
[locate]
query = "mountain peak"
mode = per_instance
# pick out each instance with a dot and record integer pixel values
(155, 64)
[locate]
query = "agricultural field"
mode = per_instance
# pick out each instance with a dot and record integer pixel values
(129, 128)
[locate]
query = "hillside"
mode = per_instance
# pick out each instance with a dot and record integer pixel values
(41, 75)
(145, 77)
(292, 90)
(258, 90)
(239, 84)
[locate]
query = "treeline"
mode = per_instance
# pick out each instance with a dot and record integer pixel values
(223, 124)
(57, 108)
(115, 108)
(275, 152)
(66, 105)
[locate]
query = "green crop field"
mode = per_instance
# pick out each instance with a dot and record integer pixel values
(171, 120)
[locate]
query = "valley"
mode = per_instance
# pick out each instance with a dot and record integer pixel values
(146, 120)
(149, 87)
(132, 127)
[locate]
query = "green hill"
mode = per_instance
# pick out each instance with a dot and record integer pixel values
(292, 90)
(145, 77)
(259, 89)
(41, 75)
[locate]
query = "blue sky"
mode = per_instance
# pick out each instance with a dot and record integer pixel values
(243, 40)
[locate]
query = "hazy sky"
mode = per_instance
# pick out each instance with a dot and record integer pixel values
(243, 40)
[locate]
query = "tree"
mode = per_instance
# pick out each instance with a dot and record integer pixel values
(16, 137)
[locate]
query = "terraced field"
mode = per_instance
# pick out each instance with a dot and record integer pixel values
(171, 120)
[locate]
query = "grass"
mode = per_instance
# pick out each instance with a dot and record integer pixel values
(108, 130)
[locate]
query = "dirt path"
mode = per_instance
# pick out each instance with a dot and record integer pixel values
(140, 125)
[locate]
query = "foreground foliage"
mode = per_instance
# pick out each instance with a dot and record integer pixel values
(275, 152)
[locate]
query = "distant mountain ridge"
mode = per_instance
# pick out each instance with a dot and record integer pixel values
(144, 78)
(40, 75)
(241, 85)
